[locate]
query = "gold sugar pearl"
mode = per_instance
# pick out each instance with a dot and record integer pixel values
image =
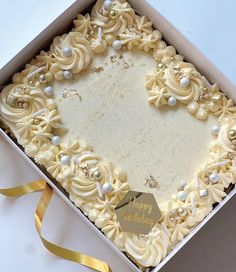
(160, 65)
(207, 96)
(36, 122)
(113, 14)
(25, 105)
(201, 97)
(87, 37)
(230, 155)
(20, 105)
(42, 78)
(182, 212)
(95, 27)
(216, 97)
(231, 134)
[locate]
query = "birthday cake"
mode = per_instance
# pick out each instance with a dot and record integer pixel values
(111, 108)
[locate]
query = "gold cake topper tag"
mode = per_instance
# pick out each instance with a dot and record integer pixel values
(138, 212)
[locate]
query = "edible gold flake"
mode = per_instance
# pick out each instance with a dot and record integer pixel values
(69, 93)
(152, 182)
(97, 69)
(120, 60)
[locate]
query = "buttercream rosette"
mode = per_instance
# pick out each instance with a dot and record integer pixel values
(124, 17)
(18, 101)
(78, 60)
(148, 250)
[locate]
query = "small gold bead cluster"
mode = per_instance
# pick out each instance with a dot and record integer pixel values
(175, 214)
(232, 137)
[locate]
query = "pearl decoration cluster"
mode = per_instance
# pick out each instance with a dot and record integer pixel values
(182, 212)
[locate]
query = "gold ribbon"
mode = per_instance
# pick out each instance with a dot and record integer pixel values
(44, 201)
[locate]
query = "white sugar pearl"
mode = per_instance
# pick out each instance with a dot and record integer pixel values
(117, 45)
(97, 175)
(214, 177)
(183, 184)
(215, 130)
(56, 140)
(48, 90)
(182, 195)
(107, 4)
(65, 159)
(184, 81)
(203, 193)
(106, 188)
(67, 74)
(172, 101)
(67, 51)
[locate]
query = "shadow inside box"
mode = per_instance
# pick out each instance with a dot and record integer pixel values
(212, 248)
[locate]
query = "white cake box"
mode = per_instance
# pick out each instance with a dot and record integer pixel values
(171, 35)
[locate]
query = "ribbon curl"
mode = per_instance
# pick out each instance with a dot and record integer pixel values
(44, 201)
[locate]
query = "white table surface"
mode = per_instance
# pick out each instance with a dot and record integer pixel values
(208, 24)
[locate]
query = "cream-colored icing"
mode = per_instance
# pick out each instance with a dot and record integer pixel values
(79, 58)
(148, 250)
(34, 118)
(125, 17)
(107, 109)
